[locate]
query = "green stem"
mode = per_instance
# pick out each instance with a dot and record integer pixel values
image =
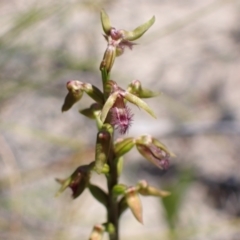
(112, 178)
(112, 214)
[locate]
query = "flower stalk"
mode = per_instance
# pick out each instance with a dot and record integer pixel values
(111, 112)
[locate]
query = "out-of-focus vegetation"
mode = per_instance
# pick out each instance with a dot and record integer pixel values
(194, 62)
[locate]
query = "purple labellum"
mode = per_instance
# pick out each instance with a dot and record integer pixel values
(115, 34)
(121, 118)
(164, 163)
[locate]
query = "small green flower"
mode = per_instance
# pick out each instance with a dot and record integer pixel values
(154, 151)
(78, 181)
(121, 117)
(122, 38)
(75, 93)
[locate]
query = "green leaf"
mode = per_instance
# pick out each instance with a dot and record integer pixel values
(99, 194)
(172, 203)
(122, 206)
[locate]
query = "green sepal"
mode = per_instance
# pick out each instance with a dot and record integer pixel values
(151, 191)
(93, 92)
(64, 184)
(87, 112)
(136, 88)
(138, 102)
(122, 146)
(92, 112)
(74, 95)
(119, 189)
(106, 24)
(99, 194)
(146, 190)
(162, 147)
(139, 31)
(108, 104)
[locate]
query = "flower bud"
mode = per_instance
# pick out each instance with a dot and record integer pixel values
(122, 146)
(108, 58)
(134, 203)
(74, 95)
(154, 151)
(97, 232)
(119, 189)
(102, 149)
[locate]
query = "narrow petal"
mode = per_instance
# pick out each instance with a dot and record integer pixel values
(106, 25)
(108, 105)
(138, 102)
(139, 31)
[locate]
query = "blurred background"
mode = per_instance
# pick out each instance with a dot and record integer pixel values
(191, 55)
